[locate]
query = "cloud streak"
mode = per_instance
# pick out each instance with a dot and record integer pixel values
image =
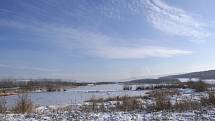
(175, 21)
(96, 44)
(163, 17)
(140, 53)
(26, 68)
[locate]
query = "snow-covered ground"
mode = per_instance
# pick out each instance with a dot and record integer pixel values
(47, 115)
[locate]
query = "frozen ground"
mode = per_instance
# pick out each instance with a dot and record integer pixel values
(47, 115)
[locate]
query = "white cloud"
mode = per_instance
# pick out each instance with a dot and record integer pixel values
(96, 44)
(26, 68)
(175, 21)
(162, 16)
(140, 52)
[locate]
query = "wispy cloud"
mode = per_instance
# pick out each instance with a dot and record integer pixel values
(19, 67)
(175, 21)
(166, 18)
(140, 52)
(96, 44)
(162, 16)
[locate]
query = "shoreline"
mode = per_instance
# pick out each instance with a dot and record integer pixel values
(18, 90)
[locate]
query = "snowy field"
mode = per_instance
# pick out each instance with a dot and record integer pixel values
(47, 115)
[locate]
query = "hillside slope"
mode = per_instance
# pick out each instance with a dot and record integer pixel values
(210, 74)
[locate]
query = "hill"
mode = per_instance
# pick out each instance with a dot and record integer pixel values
(155, 81)
(210, 74)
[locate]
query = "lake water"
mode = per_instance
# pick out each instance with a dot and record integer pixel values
(76, 95)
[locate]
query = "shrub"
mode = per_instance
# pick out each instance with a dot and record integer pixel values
(129, 104)
(3, 107)
(124, 103)
(162, 102)
(23, 104)
(210, 100)
(186, 104)
(199, 86)
(94, 105)
(163, 92)
(126, 87)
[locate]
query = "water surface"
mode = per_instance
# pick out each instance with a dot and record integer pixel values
(76, 95)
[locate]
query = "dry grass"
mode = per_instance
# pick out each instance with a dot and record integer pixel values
(161, 98)
(209, 100)
(130, 104)
(3, 107)
(199, 86)
(94, 105)
(163, 92)
(161, 86)
(123, 103)
(23, 104)
(162, 102)
(186, 104)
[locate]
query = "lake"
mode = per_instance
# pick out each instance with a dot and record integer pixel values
(76, 95)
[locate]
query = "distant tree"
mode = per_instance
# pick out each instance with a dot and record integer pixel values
(199, 86)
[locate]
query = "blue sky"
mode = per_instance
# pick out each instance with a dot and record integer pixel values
(105, 40)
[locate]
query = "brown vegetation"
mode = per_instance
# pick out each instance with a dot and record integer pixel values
(186, 104)
(160, 86)
(121, 103)
(199, 86)
(209, 100)
(23, 104)
(3, 107)
(162, 101)
(129, 104)
(95, 105)
(12, 85)
(163, 92)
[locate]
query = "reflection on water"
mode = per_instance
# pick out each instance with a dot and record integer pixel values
(76, 95)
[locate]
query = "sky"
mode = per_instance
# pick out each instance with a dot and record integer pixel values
(105, 40)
